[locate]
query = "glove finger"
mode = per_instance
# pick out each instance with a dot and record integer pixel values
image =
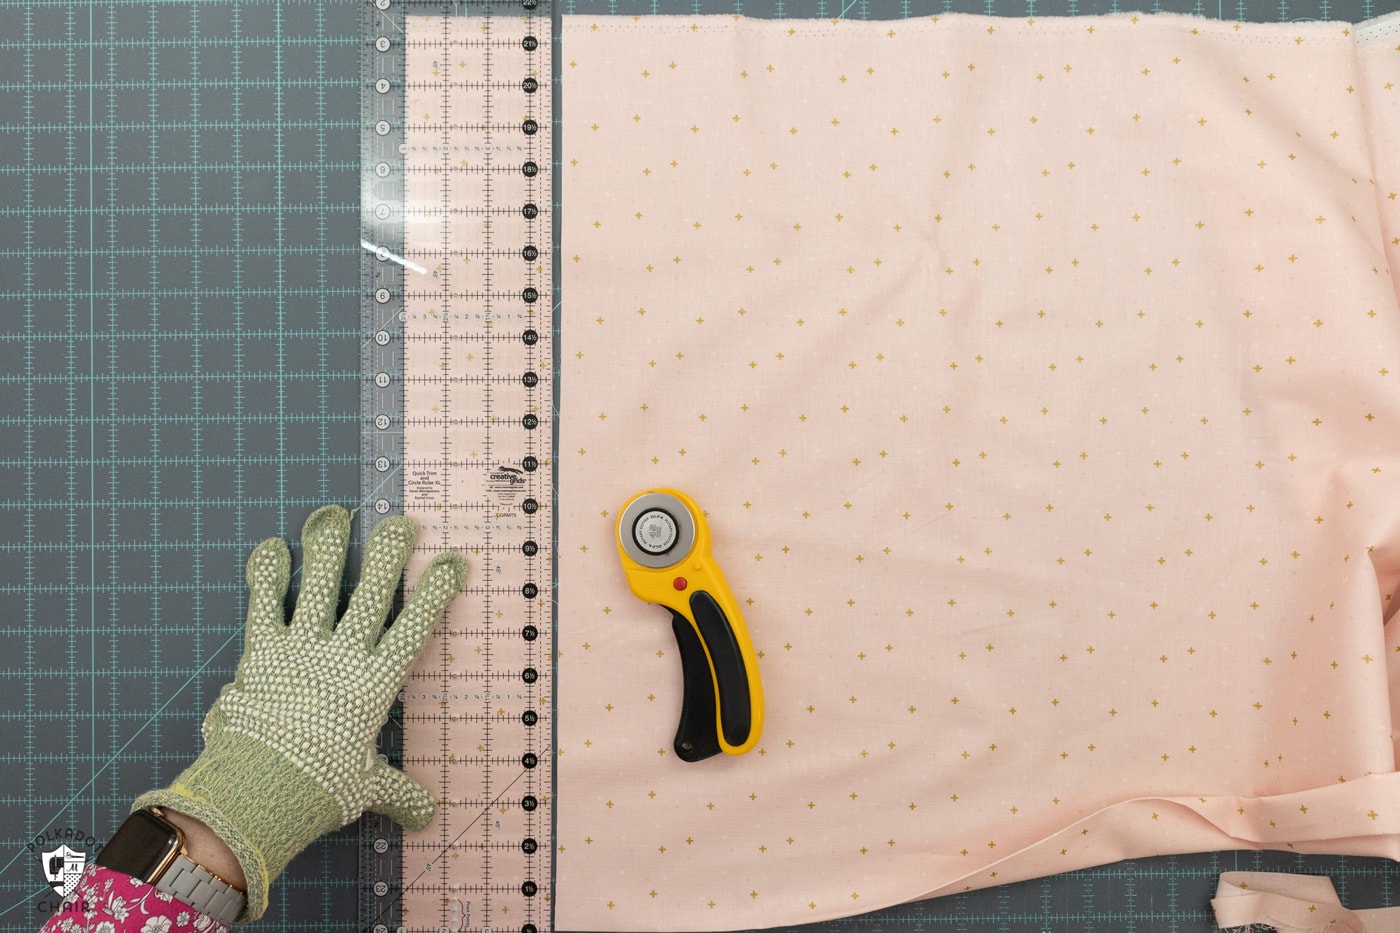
(325, 538)
(269, 572)
(401, 798)
(389, 546)
(438, 586)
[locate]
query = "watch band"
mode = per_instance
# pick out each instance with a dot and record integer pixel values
(202, 890)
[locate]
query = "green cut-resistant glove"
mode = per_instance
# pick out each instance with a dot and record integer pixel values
(289, 746)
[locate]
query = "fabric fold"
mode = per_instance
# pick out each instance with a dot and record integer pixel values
(1293, 904)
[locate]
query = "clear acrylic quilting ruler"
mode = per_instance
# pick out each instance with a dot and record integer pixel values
(457, 360)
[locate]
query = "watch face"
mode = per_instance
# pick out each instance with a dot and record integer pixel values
(143, 847)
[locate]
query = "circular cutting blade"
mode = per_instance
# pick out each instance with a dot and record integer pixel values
(656, 530)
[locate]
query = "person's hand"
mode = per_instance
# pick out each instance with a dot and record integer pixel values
(289, 749)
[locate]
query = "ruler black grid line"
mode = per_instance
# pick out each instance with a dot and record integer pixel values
(446, 132)
(445, 770)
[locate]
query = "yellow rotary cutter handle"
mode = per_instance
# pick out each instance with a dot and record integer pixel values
(664, 543)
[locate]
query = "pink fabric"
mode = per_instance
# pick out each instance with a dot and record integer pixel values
(107, 901)
(1293, 904)
(1041, 379)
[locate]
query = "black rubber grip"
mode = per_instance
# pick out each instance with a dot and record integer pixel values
(695, 735)
(735, 712)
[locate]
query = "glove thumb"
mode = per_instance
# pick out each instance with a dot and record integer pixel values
(401, 798)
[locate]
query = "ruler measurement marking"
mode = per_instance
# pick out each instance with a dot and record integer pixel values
(486, 129)
(469, 339)
(447, 298)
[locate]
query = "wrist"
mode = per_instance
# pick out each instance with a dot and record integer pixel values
(207, 850)
(259, 804)
(159, 848)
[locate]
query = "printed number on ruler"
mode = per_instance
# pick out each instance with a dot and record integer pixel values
(477, 454)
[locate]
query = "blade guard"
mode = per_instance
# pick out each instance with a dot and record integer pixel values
(664, 543)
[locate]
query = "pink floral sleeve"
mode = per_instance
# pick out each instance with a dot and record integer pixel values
(107, 901)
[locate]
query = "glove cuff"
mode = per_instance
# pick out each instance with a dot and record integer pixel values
(260, 804)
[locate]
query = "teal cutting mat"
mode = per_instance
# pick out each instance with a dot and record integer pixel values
(179, 204)
(179, 377)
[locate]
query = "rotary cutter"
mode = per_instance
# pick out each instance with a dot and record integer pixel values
(664, 544)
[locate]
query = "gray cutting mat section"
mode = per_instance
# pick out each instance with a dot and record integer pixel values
(179, 378)
(179, 373)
